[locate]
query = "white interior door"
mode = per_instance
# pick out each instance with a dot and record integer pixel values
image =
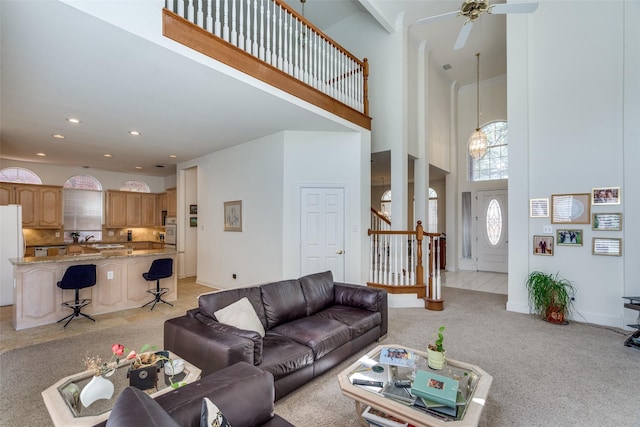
(322, 231)
(492, 240)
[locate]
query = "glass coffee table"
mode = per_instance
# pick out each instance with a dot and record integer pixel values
(474, 384)
(62, 398)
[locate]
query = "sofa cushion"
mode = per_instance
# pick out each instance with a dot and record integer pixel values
(358, 320)
(242, 315)
(282, 355)
(214, 301)
(318, 291)
(283, 301)
(322, 335)
(357, 296)
(251, 335)
(210, 415)
(136, 409)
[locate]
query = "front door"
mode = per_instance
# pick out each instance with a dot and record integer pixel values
(492, 231)
(322, 231)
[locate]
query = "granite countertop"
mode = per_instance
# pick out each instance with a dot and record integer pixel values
(104, 254)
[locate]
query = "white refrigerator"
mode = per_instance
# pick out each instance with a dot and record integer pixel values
(11, 246)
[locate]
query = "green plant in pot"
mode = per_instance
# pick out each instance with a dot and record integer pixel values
(75, 236)
(436, 351)
(550, 295)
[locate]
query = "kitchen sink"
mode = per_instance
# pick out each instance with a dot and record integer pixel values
(107, 246)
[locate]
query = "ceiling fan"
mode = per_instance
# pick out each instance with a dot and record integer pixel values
(472, 9)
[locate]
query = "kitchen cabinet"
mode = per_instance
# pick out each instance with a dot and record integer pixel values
(148, 214)
(172, 202)
(127, 209)
(134, 210)
(116, 209)
(41, 204)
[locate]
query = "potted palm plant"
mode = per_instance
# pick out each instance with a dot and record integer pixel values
(436, 352)
(550, 295)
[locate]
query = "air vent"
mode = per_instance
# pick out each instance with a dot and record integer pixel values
(447, 66)
(159, 166)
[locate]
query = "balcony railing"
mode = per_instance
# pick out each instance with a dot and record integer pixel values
(277, 35)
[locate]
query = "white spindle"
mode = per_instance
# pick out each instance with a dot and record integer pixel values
(180, 9)
(254, 38)
(209, 19)
(200, 14)
(190, 11)
(281, 52)
(234, 24)
(261, 36)
(225, 21)
(241, 36)
(218, 24)
(268, 33)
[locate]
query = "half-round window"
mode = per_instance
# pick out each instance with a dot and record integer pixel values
(138, 186)
(22, 175)
(494, 222)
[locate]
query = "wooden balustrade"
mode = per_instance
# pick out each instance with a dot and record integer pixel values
(274, 33)
(396, 263)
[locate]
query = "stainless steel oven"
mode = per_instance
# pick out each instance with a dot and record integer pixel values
(170, 231)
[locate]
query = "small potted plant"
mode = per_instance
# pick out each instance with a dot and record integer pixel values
(75, 236)
(550, 295)
(436, 351)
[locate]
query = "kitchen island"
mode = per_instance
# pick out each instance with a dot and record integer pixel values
(119, 284)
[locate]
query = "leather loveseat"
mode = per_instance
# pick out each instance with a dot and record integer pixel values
(310, 325)
(243, 393)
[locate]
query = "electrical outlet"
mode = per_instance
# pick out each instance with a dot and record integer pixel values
(110, 275)
(547, 229)
(57, 234)
(122, 233)
(111, 233)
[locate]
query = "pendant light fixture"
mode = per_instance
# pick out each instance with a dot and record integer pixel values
(478, 142)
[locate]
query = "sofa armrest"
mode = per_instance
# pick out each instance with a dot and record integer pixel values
(205, 347)
(243, 393)
(371, 299)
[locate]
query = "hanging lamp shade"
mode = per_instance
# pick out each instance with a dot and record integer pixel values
(478, 142)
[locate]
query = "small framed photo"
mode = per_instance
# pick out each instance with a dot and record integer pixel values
(233, 216)
(569, 237)
(571, 208)
(193, 209)
(607, 221)
(543, 245)
(607, 246)
(539, 208)
(193, 221)
(606, 196)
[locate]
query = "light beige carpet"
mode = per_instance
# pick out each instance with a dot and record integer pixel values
(544, 375)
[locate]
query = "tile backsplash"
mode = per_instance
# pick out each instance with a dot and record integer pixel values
(38, 237)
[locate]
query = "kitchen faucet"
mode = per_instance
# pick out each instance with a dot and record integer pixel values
(86, 239)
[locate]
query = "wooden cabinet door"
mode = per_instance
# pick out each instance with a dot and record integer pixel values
(6, 194)
(50, 207)
(27, 197)
(116, 209)
(148, 208)
(172, 202)
(134, 210)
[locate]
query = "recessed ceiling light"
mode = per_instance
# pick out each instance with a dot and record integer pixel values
(72, 120)
(135, 132)
(108, 155)
(173, 156)
(57, 135)
(40, 154)
(138, 167)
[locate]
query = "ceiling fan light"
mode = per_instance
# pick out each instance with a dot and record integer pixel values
(478, 144)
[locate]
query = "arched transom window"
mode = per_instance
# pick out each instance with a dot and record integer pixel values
(24, 176)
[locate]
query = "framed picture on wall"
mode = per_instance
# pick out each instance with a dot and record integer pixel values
(607, 221)
(607, 246)
(571, 208)
(233, 216)
(606, 196)
(193, 209)
(539, 208)
(543, 245)
(193, 221)
(569, 237)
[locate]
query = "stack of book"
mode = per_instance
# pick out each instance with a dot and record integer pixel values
(437, 393)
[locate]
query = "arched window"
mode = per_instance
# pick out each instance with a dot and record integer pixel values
(433, 211)
(495, 163)
(138, 186)
(24, 176)
(385, 204)
(83, 206)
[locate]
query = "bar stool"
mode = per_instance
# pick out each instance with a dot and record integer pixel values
(160, 269)
(77, 277)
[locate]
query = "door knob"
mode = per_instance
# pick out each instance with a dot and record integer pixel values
(340, 252)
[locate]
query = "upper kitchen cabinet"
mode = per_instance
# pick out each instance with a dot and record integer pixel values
(41, 204)
(130, 209)
(172, 202)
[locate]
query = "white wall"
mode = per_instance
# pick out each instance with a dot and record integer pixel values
(188, 264)
(439, 119)
(567, 104)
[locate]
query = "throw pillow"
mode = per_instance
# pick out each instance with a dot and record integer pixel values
(210, 416)
(242, 315)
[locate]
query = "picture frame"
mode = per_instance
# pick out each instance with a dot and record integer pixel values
(543, 245)
(571, 208)
(607, 246)
(193, 221)
(233, 215)
(566, 237)
(607, 221)
(193, 209)
(539, 208)
(606, 196)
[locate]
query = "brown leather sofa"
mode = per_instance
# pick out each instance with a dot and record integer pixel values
(243, 393)
(311, 325)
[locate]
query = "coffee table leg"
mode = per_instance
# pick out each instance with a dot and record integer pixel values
(360, 410)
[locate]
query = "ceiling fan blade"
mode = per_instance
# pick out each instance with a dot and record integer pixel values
(502, 8)
(437, 18)
(463, 35)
